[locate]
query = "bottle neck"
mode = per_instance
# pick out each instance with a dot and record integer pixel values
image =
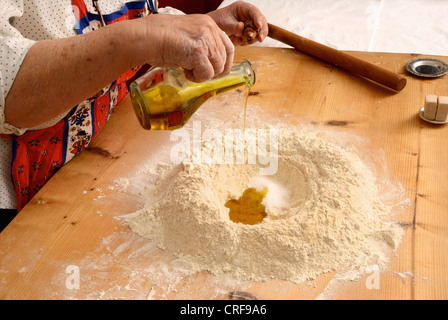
(246, 70)
(239, 75)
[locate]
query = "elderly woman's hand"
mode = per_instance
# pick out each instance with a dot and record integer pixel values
(202, 44)
(231, 19)
(194, 42)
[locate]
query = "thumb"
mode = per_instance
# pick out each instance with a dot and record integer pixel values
(235, 28)
(201, 71)
(231, 26)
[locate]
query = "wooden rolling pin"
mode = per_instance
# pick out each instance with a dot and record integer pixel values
(340, 59)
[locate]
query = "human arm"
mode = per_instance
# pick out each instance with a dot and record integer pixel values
(55, 75)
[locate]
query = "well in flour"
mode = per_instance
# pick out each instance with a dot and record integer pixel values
(325, 214)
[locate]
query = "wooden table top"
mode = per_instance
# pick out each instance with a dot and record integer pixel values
(74, 226)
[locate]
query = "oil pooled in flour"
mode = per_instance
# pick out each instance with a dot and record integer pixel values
(248, 209)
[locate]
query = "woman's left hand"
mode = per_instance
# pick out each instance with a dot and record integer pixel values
(231, 20)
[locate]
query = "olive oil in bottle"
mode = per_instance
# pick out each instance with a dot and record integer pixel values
(163, 98)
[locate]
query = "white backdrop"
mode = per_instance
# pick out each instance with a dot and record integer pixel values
(400, 26)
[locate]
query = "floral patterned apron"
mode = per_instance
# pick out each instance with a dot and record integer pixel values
(37, 155)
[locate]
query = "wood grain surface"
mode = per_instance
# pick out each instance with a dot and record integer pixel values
(75, 223)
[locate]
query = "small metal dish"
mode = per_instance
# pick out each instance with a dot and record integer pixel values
(421, 113)
(427, 67)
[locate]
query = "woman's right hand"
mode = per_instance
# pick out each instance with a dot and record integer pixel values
(193, 42)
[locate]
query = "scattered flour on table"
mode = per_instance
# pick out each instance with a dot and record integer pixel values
(324, 213)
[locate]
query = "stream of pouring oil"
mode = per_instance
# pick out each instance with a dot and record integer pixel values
(248, 209)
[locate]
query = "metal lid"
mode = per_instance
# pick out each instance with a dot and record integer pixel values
(427, 67)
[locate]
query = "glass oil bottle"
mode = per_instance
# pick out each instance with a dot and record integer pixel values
(163, 98)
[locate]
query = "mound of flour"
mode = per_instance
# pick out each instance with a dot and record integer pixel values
(323, 214)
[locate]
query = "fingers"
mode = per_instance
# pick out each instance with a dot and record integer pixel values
(218, 53)
(244, 11)
(262, 24)
(202, 71)
(194, 42)
(213, 56)
(218, 62)
(229, 52)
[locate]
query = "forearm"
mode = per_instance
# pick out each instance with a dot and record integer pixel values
(58, 74)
